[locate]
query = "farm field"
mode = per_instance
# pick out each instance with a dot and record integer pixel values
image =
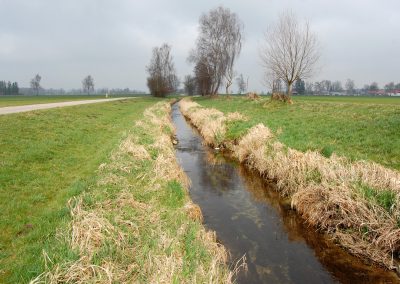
(46, 158)
(356, 127)
(41, 99)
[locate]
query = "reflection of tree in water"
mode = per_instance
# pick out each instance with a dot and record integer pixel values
(219, 174)
(214, 158)
(335, 259)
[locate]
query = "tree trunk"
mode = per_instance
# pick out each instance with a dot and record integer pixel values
(215, 91)
(227, 88)
(288, 97)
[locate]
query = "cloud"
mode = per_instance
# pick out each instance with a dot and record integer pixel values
(112, 40)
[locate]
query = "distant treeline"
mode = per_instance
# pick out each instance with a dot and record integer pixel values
(8, 88)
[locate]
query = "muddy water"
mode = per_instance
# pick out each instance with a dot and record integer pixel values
(252, 220)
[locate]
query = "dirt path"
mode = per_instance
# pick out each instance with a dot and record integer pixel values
(24, 108)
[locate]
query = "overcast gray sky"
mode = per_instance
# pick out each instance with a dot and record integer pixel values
(66, 40)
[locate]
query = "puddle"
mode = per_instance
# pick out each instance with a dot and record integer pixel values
(251, 219)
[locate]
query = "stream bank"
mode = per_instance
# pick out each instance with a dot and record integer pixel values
(251, 219)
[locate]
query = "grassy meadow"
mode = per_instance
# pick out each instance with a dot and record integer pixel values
(46, 158)
(356, 127)
(20, 100)
(44, 99)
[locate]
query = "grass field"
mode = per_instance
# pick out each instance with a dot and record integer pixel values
(28, 100)
(47, 157)
(356, 127)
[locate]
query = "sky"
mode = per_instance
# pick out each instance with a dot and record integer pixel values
(64, 40)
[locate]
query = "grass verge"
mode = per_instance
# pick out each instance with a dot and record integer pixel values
(47, 157)
(357, 203)
(136, 224)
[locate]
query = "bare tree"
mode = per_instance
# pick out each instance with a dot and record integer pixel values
(337, 86)
(349, 86)
(309, 88)
(229, 76)
(217, 47)
(242, 86)
(389, 87)
(162, 78)
(88, 84)
(203, 77)
(374, 86)
(327, 86)
(189, 84)
(35, 83)
(318, 87)
(291, 51)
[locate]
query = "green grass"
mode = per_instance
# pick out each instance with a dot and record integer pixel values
(47, 157)
(356, 127)
(43, 99)
(384, 198)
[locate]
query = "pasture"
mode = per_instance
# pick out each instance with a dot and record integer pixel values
(46, 158)
(360, 128)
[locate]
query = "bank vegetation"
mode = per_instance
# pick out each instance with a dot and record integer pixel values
(357, 203)
(137, 222)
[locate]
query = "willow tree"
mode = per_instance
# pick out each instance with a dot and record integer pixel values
(217, 47)
(291, 52)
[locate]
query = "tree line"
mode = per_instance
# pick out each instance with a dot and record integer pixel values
(8, 88)
(328, 87)
(217, 47)
(87, 84)
(289, 56)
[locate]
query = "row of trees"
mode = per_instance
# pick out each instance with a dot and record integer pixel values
(290, 55)
(217, 48)
(87, 84)
(8, 88)
(389, 87)
(327, 87)
(191, 86)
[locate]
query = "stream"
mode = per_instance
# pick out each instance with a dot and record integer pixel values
(251, 219)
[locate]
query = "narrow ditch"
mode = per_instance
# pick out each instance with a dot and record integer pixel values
(251, 219)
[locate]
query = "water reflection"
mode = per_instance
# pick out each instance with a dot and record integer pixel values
(250, 218)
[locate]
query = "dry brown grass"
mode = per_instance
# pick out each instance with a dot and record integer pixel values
(138, 233)
(137, 151)
(252, 96)
(89, 229)
(210, 122)
(194, 211)
(327, 192)
(81, 271)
